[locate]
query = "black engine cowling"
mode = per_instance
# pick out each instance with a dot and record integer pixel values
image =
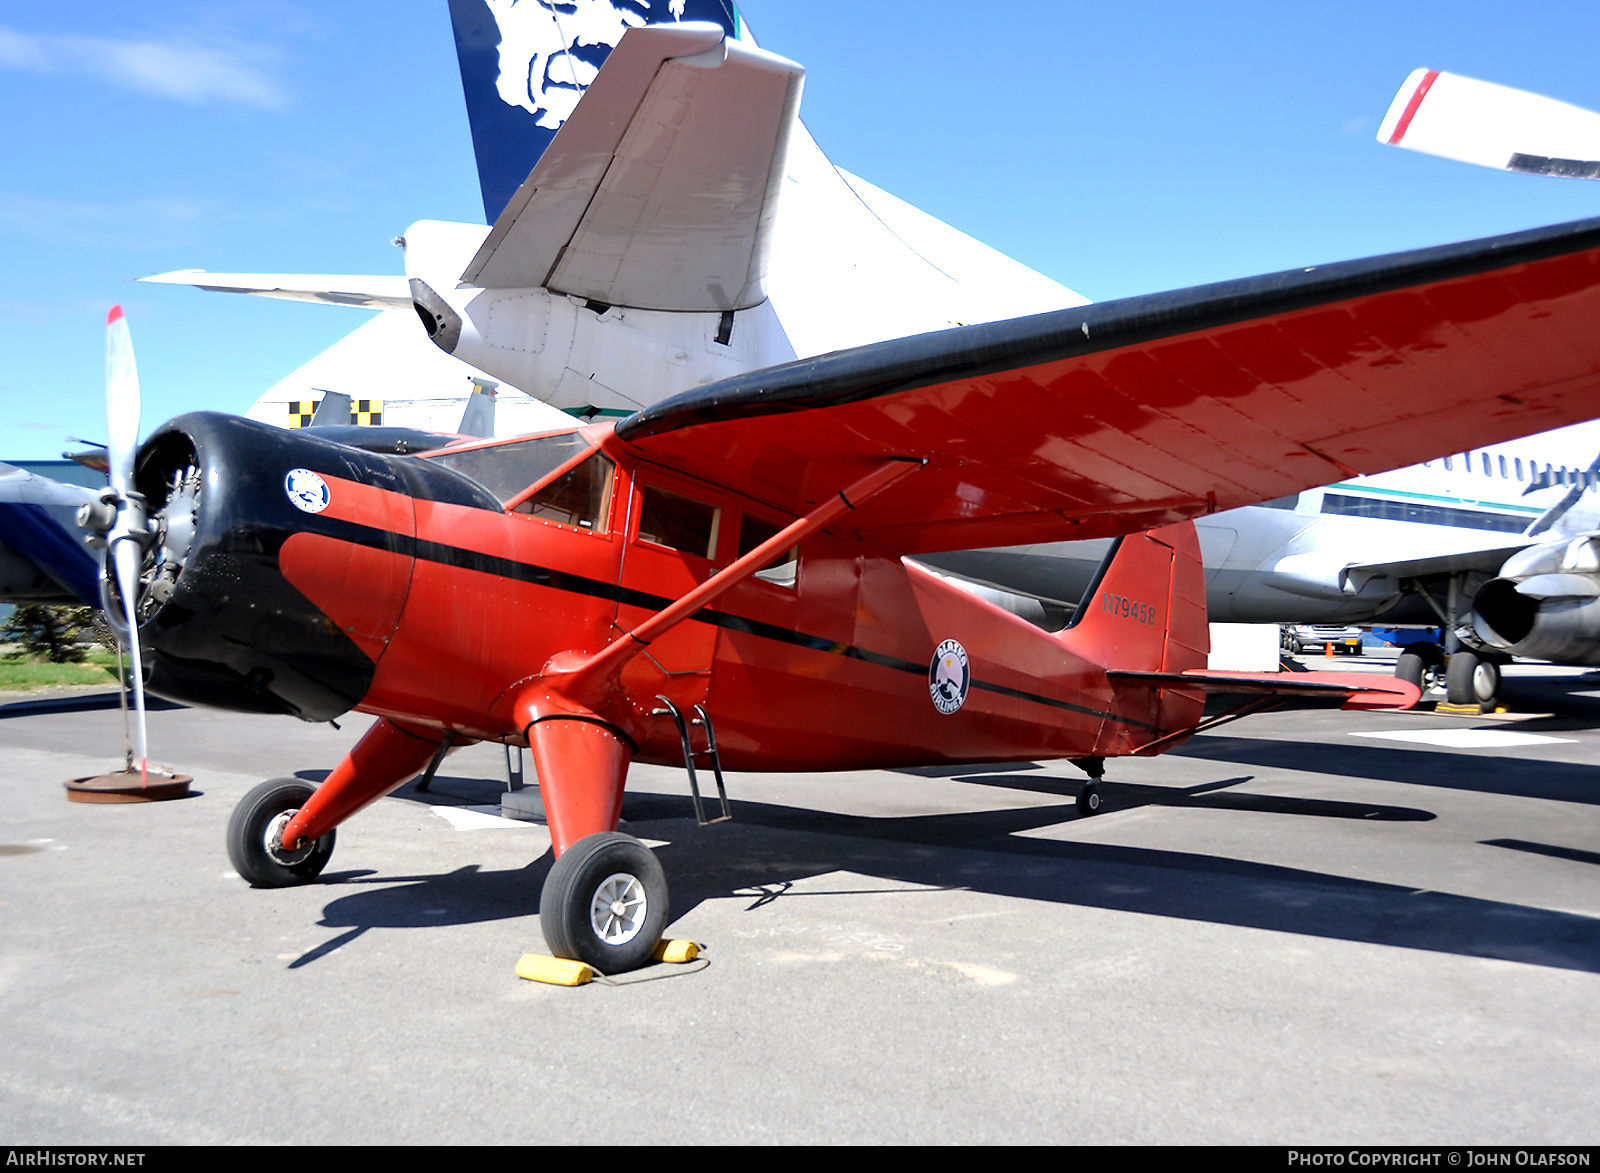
(220, 623)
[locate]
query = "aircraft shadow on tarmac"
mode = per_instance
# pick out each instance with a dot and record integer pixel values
(770, 848)
(1422, 766)
(81, 703)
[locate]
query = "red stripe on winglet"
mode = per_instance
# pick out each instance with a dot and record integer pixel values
(116, 312)
(1411, 107)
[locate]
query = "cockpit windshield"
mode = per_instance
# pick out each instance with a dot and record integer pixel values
(507, 470)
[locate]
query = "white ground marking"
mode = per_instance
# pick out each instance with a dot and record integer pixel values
(469, 820)
(1468, 738)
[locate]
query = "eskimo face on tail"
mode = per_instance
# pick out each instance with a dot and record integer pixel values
(543, 66)
(525, 64)
(550, 50)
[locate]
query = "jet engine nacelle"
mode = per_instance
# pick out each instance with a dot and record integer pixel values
(1545, 617)
(241, 512)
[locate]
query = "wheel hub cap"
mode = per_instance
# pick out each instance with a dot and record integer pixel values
(272, 840)
(617, 910)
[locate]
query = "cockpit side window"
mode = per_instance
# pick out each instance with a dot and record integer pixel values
(507, 470)
(581, 496)
(678, 522)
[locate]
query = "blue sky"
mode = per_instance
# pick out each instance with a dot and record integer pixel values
(1120, 149)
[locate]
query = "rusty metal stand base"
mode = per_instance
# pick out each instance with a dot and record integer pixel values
(125, 787)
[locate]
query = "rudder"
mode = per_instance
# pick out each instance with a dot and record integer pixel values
(1145, 610)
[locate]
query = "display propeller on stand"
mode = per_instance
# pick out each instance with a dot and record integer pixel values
(120, 522)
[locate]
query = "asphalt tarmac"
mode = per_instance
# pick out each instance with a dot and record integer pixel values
(1309, 927)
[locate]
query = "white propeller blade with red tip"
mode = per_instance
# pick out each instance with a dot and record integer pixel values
(124, 544)
(1492, 125)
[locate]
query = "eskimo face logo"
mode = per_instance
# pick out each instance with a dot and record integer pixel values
(948, 677)
(306, 491)
(541, 69)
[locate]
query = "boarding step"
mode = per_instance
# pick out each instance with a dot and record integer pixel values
(703, 720)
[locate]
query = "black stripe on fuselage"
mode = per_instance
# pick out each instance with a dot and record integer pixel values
(508, 568)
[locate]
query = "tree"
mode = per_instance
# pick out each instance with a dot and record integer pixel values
(48, 632)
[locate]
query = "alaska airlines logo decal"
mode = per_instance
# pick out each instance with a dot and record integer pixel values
(550, 50)
(948, 677)
(1127, 608)
(306, 491)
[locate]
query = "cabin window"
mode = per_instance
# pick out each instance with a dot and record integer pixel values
(784, 569)
(678, 522)
(1517, 464)
(1503, 468)
(507, 470)
(579, 497)
(1446, 464)
(1485, 457)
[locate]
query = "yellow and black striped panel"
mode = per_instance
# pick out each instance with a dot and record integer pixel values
(301, 411)
(367, 413)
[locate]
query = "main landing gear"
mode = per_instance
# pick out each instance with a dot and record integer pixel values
(605, 902)
(255, 837)
(1469, 677)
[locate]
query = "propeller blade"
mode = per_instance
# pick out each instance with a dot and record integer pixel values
(1492, 125)
(122, 401)
(124, 546)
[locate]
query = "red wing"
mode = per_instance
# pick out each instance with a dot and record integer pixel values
(1111, 418)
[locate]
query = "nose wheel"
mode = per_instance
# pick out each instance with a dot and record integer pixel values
(1089, 800)
(605, 903)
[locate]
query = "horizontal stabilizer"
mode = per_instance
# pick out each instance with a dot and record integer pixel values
(660, 190)
(363, 292)
(1360, 690)
(1492, 125)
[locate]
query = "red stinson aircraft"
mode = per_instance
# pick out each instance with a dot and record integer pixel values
(745, 548)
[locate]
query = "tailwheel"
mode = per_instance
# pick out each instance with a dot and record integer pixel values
(1089, 800)
(255, 837)
(605, 903)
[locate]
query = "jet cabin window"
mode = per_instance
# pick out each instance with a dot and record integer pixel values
(507, 470)
(678, 522)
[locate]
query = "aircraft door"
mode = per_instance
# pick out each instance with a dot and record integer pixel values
(676, 541)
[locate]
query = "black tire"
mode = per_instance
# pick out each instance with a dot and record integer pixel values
(1089, 800)
(1472, 679)
(575, 899)
(264, 864)
(1410, 666)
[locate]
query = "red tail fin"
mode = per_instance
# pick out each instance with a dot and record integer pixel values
(1146, 610)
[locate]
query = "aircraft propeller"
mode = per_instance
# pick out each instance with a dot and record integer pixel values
(120, 518)
(1492, 125)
